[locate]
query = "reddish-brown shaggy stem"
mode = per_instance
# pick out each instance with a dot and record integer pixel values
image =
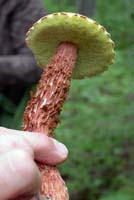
(42, 112)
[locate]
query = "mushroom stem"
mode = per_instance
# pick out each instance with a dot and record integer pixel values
(42, 111)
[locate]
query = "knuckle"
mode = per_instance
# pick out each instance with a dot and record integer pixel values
(44, 140)
(41, 142)
(21, 155)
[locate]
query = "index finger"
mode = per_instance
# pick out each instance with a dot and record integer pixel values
(46, 150)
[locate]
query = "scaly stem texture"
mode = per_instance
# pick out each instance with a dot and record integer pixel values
(42, 112)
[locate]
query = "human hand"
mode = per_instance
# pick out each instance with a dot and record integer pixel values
(20, 178)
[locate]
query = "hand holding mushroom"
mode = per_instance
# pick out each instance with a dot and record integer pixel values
(19, 175)
(74, 46)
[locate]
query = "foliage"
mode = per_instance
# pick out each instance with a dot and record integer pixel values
(59, 5)
(8, 109)
(97, 126)
(126, 193)
(118, 17)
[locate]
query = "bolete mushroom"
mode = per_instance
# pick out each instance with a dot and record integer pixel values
(74, 46)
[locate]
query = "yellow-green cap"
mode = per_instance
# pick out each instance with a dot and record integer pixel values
(95, 47)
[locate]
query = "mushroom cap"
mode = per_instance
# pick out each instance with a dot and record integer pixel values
(95, 47)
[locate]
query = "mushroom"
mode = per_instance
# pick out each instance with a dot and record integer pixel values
(75, 47)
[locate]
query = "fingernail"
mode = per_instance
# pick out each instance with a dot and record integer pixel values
(61, 148)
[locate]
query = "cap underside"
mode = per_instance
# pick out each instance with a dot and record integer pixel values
(95, 47)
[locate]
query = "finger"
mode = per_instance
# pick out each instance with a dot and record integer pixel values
(19, 175)
(46, 149)
(10, 142)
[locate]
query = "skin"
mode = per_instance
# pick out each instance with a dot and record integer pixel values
(19, 175)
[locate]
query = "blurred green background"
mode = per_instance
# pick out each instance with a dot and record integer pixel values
(97, 121)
